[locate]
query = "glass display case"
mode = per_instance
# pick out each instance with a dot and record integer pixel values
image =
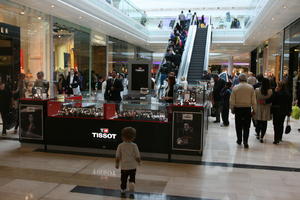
(75, 108)
(196, 95)
(126, 110)
(144, 111)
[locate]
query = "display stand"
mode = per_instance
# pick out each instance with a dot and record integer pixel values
(189, 128)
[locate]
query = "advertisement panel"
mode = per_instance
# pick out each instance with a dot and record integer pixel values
(186, 134)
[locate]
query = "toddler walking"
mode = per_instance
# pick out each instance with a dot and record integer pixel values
(128, 156)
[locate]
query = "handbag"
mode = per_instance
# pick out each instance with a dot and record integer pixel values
(288, 126)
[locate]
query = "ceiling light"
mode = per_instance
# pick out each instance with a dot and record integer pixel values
(273, 18)
(22, 13)
(80, 17)
(52, 6)
(284, 6)
(39, 18)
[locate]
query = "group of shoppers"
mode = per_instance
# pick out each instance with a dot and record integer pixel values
(255, 98)
(176, 44)
(10, 95)
(70, 85)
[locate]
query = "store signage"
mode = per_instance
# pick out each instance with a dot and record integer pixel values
(3, 30)
(140, 69)
(104, 134)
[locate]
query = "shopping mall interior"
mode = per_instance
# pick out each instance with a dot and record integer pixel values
(149, 99)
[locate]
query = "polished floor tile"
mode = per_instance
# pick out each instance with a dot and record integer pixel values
(228, 172)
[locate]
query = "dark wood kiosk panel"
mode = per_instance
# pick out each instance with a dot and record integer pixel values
(98, 125)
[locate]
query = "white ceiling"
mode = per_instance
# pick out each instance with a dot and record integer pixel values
(190, 4)
(283, 12)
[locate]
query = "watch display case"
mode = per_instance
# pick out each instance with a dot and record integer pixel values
(191, 94)
(126, 110)
(144, 111)
(76, 108)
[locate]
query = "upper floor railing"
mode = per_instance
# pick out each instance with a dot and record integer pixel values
(127, 7)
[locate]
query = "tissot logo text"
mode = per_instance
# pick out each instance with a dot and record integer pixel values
(104, 133)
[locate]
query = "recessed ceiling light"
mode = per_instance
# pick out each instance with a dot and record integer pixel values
(273, 18)
(39, 18)
(284, 6)
(22, 13)
(80, 17)
(52, 6)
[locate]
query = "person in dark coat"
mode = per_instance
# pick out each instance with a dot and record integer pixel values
(219, 84)
(114, 87)
(225, 95)
(5, 103)
(281, 107)
(62, 84)
(73, 83)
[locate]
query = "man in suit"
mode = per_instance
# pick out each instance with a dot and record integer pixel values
(114, 87)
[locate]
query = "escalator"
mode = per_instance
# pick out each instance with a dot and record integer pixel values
(197, 67)
(195, 61)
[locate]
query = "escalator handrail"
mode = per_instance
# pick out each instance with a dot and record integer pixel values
(184, 65)
(207, 47)
(185, 52)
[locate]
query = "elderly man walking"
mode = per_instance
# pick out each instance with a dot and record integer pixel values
(243, 105)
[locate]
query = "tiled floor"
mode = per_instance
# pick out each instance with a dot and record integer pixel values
(27, 174)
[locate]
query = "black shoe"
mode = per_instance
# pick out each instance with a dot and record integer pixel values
(216, 121)
(261, 140)
(257, 137)
(4, 134)
(275, 142)
(246, 146)
(239, 143)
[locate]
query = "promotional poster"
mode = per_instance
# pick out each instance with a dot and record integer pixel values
(187, 131)
(31, 122)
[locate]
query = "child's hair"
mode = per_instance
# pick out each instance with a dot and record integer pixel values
(129, 133)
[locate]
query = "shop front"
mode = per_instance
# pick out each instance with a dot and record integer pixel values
(24, 42)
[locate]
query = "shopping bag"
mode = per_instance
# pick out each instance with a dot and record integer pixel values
(296, 112)
(288, 126)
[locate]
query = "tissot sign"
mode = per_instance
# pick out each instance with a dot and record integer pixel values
(104, 134)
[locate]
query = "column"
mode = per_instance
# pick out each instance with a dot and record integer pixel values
(230, 65)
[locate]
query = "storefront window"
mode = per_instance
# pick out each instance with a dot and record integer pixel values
(120, 53)
(26, 32)
(291, 62)
(81, 49)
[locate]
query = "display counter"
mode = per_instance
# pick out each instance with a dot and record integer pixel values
(95, 124)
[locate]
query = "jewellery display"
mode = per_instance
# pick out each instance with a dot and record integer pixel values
(133, 110)
(192, 95)
(144, 115)
(80, 112)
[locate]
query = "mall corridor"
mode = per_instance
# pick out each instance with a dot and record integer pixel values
(228, 172)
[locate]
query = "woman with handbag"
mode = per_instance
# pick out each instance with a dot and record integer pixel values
(281, 107)
(263, 111)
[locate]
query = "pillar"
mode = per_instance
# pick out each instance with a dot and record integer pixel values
(230, 65)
